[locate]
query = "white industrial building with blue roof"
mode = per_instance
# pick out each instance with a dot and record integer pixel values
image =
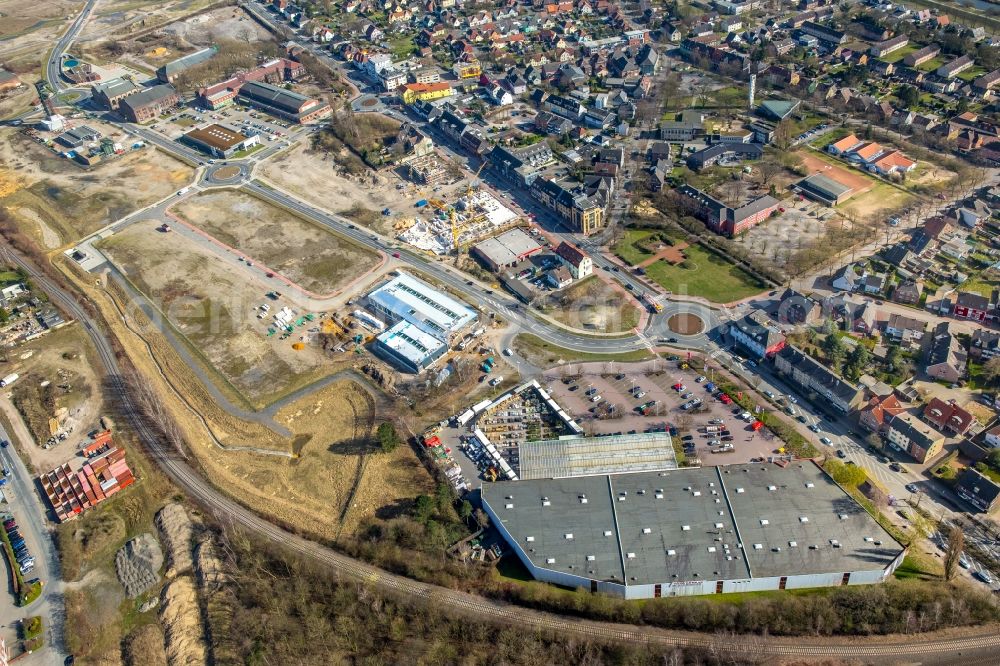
(422, 321)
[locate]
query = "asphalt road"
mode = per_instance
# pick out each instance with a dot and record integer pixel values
(53, 66)
(979, 644)
(504, 305)
(928, 649)
(26, 506)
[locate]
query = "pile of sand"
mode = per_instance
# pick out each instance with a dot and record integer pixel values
(181, 622)
(211, 575)
(144, 647)
(175, 529)
(138, 563)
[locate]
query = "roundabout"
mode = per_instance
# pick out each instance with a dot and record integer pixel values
(686, 323)
(226, 174)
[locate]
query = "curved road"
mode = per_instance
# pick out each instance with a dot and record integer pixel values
(53, 68)
(504, 305)
(979, 644)
(925, 648)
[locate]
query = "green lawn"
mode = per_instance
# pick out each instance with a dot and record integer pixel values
(402, 47)
(976, 286)
(706, 275)
(931, 64)
(9, 277)
(628, 248)
(826, 139)
(912, 568)
(899, 54)
(248, 151)
(972, 73)
(543, 354)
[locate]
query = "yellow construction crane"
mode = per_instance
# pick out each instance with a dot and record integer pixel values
(474, 183)
(456, 230)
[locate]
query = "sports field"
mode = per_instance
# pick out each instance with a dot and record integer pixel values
(857, 181)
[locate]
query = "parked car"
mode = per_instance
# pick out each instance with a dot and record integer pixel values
(826, 440)
(912, 487)
(984, 575)
(841, 454)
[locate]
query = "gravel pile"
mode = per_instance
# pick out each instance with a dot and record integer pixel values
(138, 563)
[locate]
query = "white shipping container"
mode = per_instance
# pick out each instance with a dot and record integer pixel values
(9, 379)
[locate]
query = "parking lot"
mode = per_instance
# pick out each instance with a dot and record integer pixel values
(587, 391)
(245, 119)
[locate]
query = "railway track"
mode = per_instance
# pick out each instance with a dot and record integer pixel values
(919, 647)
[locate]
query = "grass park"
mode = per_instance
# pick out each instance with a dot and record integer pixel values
(700, 274)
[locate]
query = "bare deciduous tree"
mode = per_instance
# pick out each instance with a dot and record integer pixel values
(956, 543)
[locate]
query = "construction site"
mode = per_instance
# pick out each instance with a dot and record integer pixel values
(446, 228)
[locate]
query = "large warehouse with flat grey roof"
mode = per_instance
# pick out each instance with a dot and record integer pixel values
(694, 531)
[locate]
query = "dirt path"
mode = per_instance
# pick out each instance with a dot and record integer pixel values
(672, 254)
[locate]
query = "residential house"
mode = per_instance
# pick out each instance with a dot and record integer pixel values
(875, 416)
(977, 489)
(558, 277)
(888, 46)
(908, 291)
(985, 344)
(865, 319)
(578, 263)
(991, 437)
(956, 248)
(757, 335)
(921, 56)
(955, 66)
(846, 278)
(818, 381)
(948, 416)
(874, 283)
(824, 33)
(946, 358)
(970, 305)
(909, 434)
(908, 331)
